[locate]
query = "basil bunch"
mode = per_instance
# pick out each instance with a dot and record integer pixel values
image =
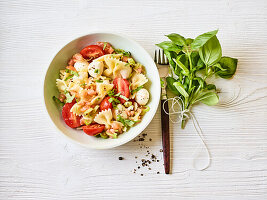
(192, 61)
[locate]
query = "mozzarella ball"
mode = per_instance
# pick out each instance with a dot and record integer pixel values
(81, 66)
(142, 97)
(96, 68)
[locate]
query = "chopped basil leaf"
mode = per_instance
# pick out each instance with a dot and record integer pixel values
(112, 99)
(99, 81)
(123, 97)
(69, 77)
(105, 44)
(69, 98)
(111, 93)
(126, 122)
(96, 71)
(137, 89)
(121, 51)
(74, 73)
(103, 135)
(131, 61)
(57, 101)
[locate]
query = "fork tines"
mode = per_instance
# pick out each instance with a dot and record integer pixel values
(160, 57)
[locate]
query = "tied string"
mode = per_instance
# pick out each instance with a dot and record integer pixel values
(184, 114)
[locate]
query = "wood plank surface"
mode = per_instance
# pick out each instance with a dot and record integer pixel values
(38, 163)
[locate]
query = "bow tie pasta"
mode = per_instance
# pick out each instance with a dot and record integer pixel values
(103, 91)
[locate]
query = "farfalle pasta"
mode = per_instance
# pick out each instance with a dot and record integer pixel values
(103, 91)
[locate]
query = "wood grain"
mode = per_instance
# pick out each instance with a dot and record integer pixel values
(38, 163)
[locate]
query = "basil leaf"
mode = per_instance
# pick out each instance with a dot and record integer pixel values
(74, 73)
(124, 97)
(169, 46)
(69, 77)
(126, 122)
(170, 56)
(182, 66)
(200, 40)
(170, 85)
(69, 98)
(209, 98)
(180, 88)
(218, 65)
(177, 39)
(124, 53)
(112, 99)
(200, 64)
(189, 41)
(103, 135)
(210, 87)
(211, 52)
(200, 81)
(57, 101)
(194, 58)
(229, 64)
(105, 44)
(137, 89)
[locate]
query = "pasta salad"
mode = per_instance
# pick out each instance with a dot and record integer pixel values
(102, 91)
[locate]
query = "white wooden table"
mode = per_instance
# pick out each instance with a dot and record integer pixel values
(38, 163)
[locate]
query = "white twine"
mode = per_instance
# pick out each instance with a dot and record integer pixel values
(184, 114)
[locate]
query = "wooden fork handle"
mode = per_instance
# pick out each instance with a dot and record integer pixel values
(165, 136)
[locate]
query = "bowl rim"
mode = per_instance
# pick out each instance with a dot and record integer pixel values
(157, 95)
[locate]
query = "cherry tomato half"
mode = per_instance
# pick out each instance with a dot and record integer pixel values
(105, 104)
(93, 129)
(70, 119)
(122, 87)
(92, 52)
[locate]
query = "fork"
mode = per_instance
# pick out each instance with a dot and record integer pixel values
(162, 64)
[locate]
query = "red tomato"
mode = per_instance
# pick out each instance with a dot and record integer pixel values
(108, 48)
(93, 129)
(70, 119)
(92, 52)
(105, 104)
(122, 87)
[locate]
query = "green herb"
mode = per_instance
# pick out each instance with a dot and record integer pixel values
(69, 98)
(96, 71)
(144, 111)
(126, 122)
(105, 44)
(112, 99)
(99, 81)
(187, 57)
(200, 40)
(69, 77)
(72, 73)
(124, 97)
(169, 46)
(137, 89)
(124, 53)
(103, 135)
(57, 101)
(111, 93)
(228, 67)
(131, 61)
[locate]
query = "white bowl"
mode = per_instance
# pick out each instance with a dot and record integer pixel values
(60, 62)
